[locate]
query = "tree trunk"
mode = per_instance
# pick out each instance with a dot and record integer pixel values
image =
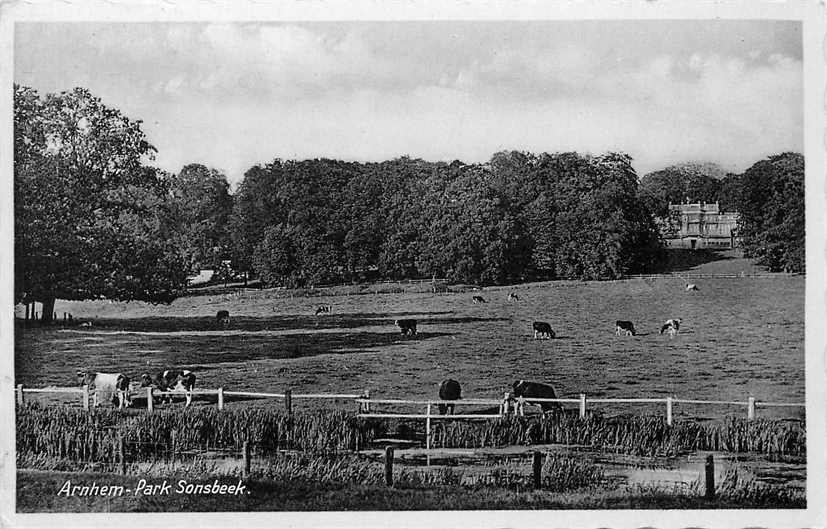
(48, 310)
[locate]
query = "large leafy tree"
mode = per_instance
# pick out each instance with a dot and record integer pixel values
(469, 233)
(202, 205)
(771, 210)
(90, 219)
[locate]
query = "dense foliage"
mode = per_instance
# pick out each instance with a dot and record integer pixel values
(772, 212)
(519, 216)
(90, 219)
(201, 204)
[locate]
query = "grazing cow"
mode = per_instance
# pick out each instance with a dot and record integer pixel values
(449, 390)
(690, 287)
(103, 384)
(323, 309)
(671, 326)
(86, 324)
(542, 329)
(478, 299)
(527, 390)
(223, 317)
(171, 380)
(513, 297)
(408, 327)
(624, 327)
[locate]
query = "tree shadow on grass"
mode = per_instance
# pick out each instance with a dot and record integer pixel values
(242, 324)
(56, 362)
(685, 260)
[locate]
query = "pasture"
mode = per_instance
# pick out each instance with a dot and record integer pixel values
(740, 337)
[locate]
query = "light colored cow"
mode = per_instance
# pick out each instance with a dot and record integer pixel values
(115, 385)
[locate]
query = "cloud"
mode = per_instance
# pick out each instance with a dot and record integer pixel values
(232, 95)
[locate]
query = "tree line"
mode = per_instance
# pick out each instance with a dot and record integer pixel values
(94, 218)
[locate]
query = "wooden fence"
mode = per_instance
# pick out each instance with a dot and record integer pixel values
(365, 404)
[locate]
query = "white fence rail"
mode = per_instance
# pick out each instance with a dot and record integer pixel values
(505, 406)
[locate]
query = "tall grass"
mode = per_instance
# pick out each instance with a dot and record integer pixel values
(636, 435)
(94, 436)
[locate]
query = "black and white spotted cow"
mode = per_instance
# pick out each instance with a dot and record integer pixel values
(323, 309)
(623, 327)
(671, 327)
(478, 299)
(542, 330)
(528, 390)
(407, 327)
(449, 390)
(171, 380)
(513, 297)
(114, 386)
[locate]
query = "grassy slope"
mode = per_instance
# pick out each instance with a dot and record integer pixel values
(37, 492)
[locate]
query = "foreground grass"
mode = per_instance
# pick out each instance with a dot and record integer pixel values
(37, 492)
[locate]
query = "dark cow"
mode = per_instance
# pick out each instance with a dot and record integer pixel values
(102, 384)
(449, 390)
(223, 317)
(542, 329)
(624, 327)
(171, 380)
(408, 327)
(527, 390)
(323, 309)
(671, 326)
(478, 299)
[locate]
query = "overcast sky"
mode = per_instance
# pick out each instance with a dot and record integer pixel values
(234, 95)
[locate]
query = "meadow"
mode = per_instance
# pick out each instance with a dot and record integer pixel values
(740, 337)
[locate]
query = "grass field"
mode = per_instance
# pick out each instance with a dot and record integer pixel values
(739, 337)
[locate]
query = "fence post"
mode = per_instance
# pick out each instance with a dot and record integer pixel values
(751, 408)
(85, 396)
(428, 427)
(537, 466)
(520, 409)
(505, 406)
(121, 455)
(150, 400)
(288, 400)
(710, 477)
(172, 445)
(389, 466)
(669, 411)
(20, 394)
(582, 405)
(246, 458)
(367, 404)
(221, 398)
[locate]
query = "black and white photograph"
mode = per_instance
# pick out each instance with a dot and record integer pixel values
(405, 266)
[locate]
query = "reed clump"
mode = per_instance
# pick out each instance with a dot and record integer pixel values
(634, 435)
(95, 436)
